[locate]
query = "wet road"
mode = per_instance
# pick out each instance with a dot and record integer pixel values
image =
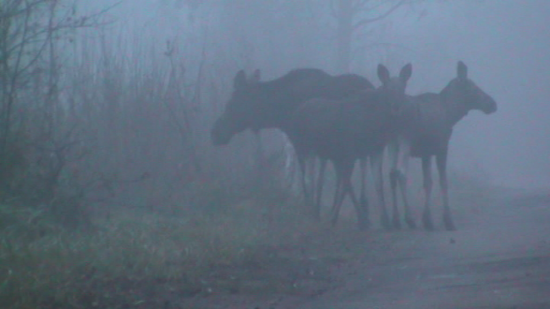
(499, 258)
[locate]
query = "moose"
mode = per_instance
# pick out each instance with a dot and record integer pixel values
(425, 125)
(345, 130)
(257, 105)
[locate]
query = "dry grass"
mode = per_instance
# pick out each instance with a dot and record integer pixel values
(45, 266)
(139, 259)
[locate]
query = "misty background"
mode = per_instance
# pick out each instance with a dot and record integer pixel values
(111, 191)
(117, 98)
(504, 43)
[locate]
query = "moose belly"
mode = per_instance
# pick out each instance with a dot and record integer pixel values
(427, 146)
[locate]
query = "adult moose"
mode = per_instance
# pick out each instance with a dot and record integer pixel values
(345, 130)
(260, 105)
(425, 126)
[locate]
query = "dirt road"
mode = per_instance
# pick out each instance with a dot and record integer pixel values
(499, 258)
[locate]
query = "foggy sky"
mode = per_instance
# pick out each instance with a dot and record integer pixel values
(505, 44)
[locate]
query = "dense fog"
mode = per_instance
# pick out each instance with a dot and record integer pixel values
(132, 174)
(505, 44)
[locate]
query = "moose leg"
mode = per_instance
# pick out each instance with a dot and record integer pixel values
(362, 217)
(260, 164)
(339, 194)
(311, 167)
(404, 156)
(347, 187)
(303, 171)
(376, 168)
(394, 175)
(319, 190)
(441, 161)
(427, 176)
(364, 202)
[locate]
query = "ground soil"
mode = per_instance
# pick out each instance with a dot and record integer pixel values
(498, 258)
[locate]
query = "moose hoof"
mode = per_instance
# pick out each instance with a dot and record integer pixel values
(449, 225)
(396, 222)
(411, 223)
(364, 225)
(386, 222)
(427, 221)
(316, 217)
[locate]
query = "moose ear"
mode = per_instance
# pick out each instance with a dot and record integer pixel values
(462, 71)
(240, 80)
(256, 76)
(383, 74)
(406, 72)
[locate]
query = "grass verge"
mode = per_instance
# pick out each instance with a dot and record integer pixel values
(135, 258)
(139, 259)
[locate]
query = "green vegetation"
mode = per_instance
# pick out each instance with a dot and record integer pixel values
(122, 256)
(136, 258)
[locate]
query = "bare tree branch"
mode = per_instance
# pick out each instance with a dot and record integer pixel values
(366, 21)
(7, 108)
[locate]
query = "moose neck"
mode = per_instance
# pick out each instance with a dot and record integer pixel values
(275, 108)
(454, 104)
